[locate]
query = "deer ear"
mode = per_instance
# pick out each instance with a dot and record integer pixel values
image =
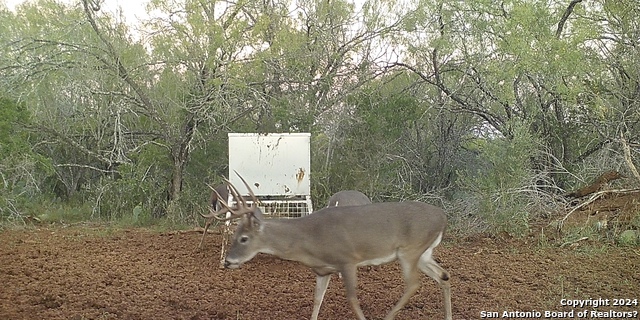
(255, 219)
(257, 213)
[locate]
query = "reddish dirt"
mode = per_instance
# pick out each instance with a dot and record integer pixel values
(89, 272)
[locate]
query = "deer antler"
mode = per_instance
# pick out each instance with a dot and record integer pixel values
(235, 193)
(241, 210)
(253, 196)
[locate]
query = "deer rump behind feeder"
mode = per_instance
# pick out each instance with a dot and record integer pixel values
(340, 239)
(348, 198)
(220, 192)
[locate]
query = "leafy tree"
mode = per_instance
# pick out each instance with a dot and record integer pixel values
(21, 170)
(392, 145)
(522, 62)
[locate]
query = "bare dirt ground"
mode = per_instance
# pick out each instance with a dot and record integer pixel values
(94, 272)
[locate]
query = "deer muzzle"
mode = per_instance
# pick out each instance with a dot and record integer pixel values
(231, 265)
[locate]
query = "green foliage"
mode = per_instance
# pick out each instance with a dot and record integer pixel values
(503, 182)
(62, 213)
(137, 191)
(13, 140)
(364, 157)
(138, 217)
(21, 170)
(629, 238)
(134, 128)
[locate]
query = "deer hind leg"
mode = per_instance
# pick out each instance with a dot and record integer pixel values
(204, 233)
(431, 268)
(411, 280)
(322, 283)
(208, 224)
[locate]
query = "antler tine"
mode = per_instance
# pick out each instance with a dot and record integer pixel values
(253, 196)
(214, 214)
(234, 213)
(217, 214)
(236, 193)
(242, 208)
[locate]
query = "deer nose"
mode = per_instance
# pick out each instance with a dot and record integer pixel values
(230, 265)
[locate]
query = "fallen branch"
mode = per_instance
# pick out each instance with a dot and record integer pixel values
(573, 242)
(601, 181)
(595, 196)
(627, 157)
(194, 230)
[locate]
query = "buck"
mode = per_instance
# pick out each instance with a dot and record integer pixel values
(348, 198)
(220, 192)
(343, 238)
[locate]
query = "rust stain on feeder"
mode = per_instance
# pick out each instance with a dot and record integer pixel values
(300, 174)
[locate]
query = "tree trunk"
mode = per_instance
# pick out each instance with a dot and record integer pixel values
(180, 156)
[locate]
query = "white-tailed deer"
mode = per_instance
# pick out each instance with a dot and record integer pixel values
(220, 192)
(340, 239)
(348, 198)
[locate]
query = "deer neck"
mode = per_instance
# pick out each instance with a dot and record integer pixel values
(283, 238)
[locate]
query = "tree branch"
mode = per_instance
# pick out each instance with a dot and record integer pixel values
(118, 66)
(627, 157)
(565, 16)
(85, 166)
(493, 119)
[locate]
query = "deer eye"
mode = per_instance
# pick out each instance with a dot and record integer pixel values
(244, 239)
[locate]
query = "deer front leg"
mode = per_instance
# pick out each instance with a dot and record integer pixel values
(322, 283)
(350, 278)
